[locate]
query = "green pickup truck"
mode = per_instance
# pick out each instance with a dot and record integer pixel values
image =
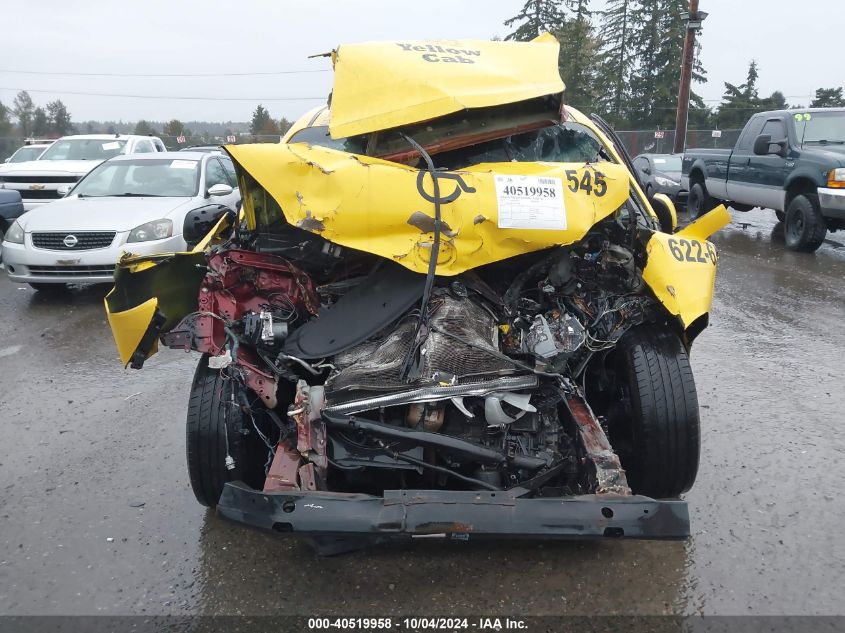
(792, 161)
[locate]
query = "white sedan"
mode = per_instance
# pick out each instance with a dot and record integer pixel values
(136, 204)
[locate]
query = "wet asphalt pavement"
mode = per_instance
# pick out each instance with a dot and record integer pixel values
(97, 515)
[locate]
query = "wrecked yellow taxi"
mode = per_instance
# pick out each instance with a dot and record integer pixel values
(447, 308)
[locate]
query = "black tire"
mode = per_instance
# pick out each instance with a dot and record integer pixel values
(48, 287)
(805, 226)
(658, 434)
(781, 216)
(699, 201)
(211, 418)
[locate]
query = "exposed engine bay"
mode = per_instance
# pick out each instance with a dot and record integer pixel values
(461, 316)
(482, 390)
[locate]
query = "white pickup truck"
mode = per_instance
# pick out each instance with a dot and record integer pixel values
(67, 160)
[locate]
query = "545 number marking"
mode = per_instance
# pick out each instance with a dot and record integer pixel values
(692, 251)
(591, 182)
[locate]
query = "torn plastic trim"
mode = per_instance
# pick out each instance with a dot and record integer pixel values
(434, 393)
(404, 514)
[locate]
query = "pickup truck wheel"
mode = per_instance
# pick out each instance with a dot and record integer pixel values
(656, 430)
(216, 427)
(805, 226)
(699, 201)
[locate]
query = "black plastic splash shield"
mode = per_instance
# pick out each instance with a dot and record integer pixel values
(404, 514)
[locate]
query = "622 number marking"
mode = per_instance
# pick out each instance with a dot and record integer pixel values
(589, 182)
(692, 251)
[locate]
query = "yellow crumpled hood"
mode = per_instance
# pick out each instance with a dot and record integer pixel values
(383, 85)
(375, 206)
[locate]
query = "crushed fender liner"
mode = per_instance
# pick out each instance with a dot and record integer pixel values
(330, 517)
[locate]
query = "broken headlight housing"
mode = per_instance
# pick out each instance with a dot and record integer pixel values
(155, 230)
(15, 234)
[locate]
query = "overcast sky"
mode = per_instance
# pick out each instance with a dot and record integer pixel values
(797, 44)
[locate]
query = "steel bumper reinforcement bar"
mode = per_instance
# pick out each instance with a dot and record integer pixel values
(339, 521)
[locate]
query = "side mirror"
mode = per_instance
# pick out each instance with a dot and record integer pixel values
(664, 208)
(647, 170)
(763, 146)
(220, 190)
(199, 222)
(64, 190)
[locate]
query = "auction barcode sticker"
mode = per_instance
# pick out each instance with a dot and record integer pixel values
(530, 202)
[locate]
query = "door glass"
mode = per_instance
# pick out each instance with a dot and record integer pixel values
(775, 128)
(753, 131)
(230, 171)
(214, 174)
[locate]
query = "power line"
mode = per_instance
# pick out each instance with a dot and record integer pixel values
(249, 74)
(175, 97)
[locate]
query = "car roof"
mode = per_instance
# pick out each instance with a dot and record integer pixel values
(103, 137)
(651, 155)
(163, 155)
(797, 110)
(202, 148)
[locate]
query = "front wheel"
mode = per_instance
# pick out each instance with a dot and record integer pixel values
(699, 201)
(805, 224)
(222, 444)
(655, 427)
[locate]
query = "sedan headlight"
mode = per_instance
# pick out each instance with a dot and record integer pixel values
(15, 234)
(665, 182)
(836, 178)
(155, 230)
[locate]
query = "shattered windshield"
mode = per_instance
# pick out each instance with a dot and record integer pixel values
(561, 143)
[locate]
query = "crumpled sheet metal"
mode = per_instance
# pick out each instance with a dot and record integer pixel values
(375, 205)
(681, 268)
(383, 85)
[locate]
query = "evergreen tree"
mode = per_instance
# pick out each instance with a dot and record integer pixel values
(7, 145)
(658, 42)
(536, 17)
(740, 102)
(59, 117)
(776, 101)
(828, 98)
(261, 120)
(144, 128)
(175, 127)
(40, 122)
(24, 109)
(616, 58)
(578, 60)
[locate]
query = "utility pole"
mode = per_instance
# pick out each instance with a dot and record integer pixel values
(692, 23)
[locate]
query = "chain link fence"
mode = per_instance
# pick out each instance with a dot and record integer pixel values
(645, 142)
(181, 142)
(636, 141)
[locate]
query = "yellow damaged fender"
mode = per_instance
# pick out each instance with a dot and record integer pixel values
(387, 209)
(152, 293)
(681, 267)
